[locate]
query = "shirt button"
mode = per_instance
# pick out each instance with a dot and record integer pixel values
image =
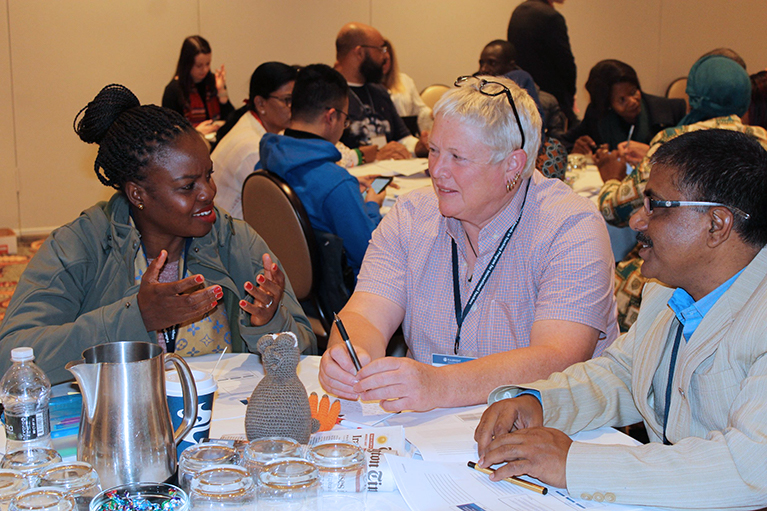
(609, 497)
(598, 497)
(196, 249)
(586, 496)
(127, 305)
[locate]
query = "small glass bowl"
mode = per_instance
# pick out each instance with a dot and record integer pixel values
(31, 462)
(44, 498)
(265, 450)
(222, 487)
(290, 483)
(12, 482)
(342, 466)
(145, 496)
(200, 456)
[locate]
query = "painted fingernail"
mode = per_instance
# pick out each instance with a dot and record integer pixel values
(243, 303)
(274, 267)
(248, 286)
(260, 279)
(219, 295)
(199, 279)
(213, 305)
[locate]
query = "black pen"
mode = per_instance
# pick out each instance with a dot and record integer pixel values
(345, 337)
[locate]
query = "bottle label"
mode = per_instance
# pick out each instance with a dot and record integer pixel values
(27, 427)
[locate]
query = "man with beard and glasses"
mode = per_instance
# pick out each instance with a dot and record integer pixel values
(375, 123)
(693, 367)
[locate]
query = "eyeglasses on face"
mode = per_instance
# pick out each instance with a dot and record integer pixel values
(288, 100)
(347, 121)
(382, 49)
(651, 204)
(492, 89)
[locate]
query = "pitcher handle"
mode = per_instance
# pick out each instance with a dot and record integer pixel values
(189, 390)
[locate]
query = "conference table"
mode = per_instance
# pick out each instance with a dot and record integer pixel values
(238, 374)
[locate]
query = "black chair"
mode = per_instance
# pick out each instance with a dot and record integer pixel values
(273, 209)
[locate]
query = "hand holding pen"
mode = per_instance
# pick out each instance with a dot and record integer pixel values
(338, 370)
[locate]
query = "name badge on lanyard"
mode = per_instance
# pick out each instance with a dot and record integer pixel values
(440, 359)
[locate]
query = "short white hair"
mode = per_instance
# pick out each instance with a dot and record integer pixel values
(494, 116)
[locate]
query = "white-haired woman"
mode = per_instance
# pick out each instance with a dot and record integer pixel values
(497, 275)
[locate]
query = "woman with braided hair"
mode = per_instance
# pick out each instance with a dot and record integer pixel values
(158, 262)
(195, 92)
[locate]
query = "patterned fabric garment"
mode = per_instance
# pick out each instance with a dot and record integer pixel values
(208, 334)
(552, 158)
(558, 265)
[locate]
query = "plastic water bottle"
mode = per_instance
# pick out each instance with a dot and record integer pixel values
(25, 392)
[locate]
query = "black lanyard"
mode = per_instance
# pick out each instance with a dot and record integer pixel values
(670, 384)
(459, 314)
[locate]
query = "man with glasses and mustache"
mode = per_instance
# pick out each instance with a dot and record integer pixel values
(376, 128)
(305, 157)
(693, 367)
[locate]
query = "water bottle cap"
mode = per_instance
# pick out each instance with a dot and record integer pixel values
(22, 354)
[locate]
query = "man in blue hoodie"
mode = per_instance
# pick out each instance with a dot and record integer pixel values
(305, 157)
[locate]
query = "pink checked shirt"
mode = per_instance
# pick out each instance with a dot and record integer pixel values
(557, 265)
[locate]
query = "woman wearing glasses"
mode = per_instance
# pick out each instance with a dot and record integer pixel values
(496, 274)
(267, 111)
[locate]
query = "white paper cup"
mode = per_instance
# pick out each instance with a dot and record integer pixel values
(206, 389)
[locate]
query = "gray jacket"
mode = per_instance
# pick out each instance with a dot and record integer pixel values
(79, 290)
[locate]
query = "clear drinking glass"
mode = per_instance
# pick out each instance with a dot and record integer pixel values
(31, 462)
(265, 450)
(200, 456)
(288, 484)
(222, 487)
(12, 482)
(44, 498)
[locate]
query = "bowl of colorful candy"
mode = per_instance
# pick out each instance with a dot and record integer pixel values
(141, 497)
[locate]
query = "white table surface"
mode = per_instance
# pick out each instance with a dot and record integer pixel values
(238, 374)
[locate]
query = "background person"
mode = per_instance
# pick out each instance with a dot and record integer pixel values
(539, 34)
(305, 157)
(374, 121)
(195, 92)
(158, 262)
(617, 104)
(544, 302)
(267, 111)
(757, 109)
(692, 367)
(404, 93)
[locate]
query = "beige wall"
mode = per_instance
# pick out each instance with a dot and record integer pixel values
(55, 56)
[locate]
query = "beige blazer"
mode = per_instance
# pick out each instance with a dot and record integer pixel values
(717, 416)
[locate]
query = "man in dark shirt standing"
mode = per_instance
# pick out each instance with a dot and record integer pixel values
(539, 34)
(360, 54)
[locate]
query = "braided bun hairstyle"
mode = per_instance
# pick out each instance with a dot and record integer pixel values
(128, 134)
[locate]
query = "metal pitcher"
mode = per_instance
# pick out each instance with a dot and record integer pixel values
(125, 428)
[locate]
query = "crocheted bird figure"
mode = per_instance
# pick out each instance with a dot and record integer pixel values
(279, 405)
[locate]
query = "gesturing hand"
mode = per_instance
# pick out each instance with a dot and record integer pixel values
(221, 79)
(172, 303)
(267, 295)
